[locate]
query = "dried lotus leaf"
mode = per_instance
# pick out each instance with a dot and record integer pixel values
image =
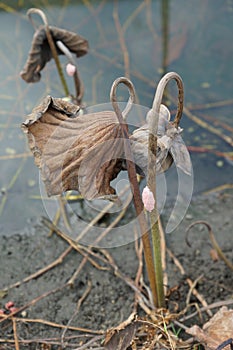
(216, 331)
(170, 146)
(181, 155)
(75, 152)
(40, 52)
(139, 144)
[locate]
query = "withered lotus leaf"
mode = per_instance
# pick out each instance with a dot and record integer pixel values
(40, 52)
(75, 152)
(217, 330)
(170, 145)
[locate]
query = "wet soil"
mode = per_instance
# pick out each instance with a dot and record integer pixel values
(110, 300)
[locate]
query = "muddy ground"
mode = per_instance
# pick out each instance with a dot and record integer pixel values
(110, 300)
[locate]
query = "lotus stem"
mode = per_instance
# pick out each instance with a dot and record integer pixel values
(153, 118)
(51, 45)
(133, 180)
(77, 81)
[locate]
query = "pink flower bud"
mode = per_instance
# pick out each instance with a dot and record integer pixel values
(70, 69)
(148, 199)
(9, 304)
(13, 309)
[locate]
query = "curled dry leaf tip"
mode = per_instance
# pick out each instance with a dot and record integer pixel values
(40, 52)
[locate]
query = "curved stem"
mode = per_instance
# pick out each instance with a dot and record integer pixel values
(77, 81)
(133, 179)
(153, 118)
(113, 98)
(159, 96)
(39, 13)
(212, 239)
(51, 44)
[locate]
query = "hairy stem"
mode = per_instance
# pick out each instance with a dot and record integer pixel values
(79, 89)
(134, 184)
(153, 118)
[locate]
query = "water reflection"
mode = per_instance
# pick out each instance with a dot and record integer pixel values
(141, 39)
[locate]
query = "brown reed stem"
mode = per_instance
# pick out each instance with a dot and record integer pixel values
(134, 184)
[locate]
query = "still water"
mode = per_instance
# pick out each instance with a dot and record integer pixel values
(139, 39)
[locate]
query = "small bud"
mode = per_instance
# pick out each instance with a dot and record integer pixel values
(148, 199)
(70, 69)
(9, 304)
(13, 309)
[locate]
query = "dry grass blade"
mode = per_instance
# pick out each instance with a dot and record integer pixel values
(58, 325)
(33, 302)
(80, 301)
(213, 241)
(15, 334)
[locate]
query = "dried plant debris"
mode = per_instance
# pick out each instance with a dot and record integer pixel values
(171, 146)
(218, 330)
(120, 337)
(40, 52)
(75, 152)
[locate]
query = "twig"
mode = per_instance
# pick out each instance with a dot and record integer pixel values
(139, 274)
(124, 49)
(189, 281)
(205, 125)
(201, 149)
(90, 342)
(32, 302)
(208, 308)
(210, 105)
(163, 256)
(83, 297)
(16, 156)
(51, 340)
(58, 325)
(192, 287)
(219, 188)
(63, 212)
(218, 122)
(15, 334)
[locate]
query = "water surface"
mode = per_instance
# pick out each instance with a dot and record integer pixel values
(139, 39)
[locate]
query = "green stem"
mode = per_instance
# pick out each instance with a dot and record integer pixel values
(151, 183)
(133, 181)
(153, 118)
(51, 45)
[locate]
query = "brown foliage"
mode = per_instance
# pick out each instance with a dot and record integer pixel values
(40, 52)
(78, 152)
